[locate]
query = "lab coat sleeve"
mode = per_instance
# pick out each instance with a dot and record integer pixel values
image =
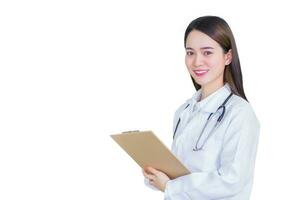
(236, 167)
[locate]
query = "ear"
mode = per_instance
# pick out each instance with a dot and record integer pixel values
(228, 57)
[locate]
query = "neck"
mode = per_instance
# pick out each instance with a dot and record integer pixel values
(208, 89)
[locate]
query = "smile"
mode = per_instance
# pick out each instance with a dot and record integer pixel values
(200, 72)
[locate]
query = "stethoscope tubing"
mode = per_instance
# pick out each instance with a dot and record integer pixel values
(223, 107)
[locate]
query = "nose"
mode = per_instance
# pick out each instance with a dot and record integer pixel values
(198, 60)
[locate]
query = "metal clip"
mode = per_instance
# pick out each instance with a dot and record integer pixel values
(130, 131)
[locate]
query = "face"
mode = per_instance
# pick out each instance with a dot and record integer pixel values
(205, 59)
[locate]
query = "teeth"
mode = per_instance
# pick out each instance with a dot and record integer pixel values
(201, 71)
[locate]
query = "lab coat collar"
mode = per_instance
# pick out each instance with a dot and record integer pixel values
(213, 101)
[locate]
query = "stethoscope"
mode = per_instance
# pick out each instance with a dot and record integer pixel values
(221, 107)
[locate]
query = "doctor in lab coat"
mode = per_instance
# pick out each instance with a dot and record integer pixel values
(221, 159)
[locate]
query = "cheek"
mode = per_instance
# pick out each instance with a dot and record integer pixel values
(216, 63)
(188, 63)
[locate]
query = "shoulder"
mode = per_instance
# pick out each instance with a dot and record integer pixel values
(241, 110)
(182, 107)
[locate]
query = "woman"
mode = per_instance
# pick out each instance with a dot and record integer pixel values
(215, 131)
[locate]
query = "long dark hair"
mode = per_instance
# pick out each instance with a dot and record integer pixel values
(218, 29)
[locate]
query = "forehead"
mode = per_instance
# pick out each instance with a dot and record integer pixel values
(197, 39)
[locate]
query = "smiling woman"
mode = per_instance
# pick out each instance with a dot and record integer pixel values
(215, 131)
(210, 46)
(205, 60)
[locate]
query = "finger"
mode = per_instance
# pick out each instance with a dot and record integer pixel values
(152, 170)
(149, 176)
(145, 169)
(146, 173)
(151, 181)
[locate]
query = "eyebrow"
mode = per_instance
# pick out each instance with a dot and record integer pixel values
(202, 48)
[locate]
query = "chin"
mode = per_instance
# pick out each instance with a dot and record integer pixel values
(201, 82)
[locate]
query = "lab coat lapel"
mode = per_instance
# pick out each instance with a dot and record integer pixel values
(211, 105)
(217, 98)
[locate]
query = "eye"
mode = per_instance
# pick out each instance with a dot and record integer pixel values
(206, 53)
(189, 53)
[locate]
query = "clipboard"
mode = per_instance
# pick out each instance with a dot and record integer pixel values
(145, 148)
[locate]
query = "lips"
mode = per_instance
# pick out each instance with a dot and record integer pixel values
(200, 72)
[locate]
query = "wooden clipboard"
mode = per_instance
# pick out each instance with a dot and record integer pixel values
(147, 150)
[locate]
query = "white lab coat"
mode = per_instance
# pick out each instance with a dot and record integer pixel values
(224, 168)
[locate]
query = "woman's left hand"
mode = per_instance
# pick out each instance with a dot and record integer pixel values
(156, 178)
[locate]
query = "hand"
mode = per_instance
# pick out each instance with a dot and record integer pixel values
(156, 178)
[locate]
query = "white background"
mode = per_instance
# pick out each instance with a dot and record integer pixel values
(74, 72)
